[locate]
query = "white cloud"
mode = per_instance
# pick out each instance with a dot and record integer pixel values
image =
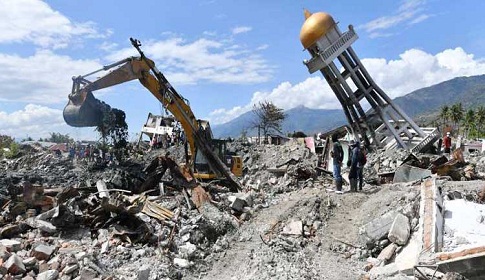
(38, 121)
(409, 12)
(413, 70)
(203, 60)
(34, 120)
(41, 78)
(108, 46)
(36, 22)
(241, 29)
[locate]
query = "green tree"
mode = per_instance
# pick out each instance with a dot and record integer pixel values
(13, 151)
(445, 114)
(469, 123)
(57, 137)
(479, 120)
(268, 117)
(8, 143)
(456, 115)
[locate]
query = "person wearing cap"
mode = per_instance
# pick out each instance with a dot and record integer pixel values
(354, 165)
(447, 142)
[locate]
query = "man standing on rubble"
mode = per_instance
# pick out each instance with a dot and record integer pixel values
(337, 154)
(354, 165)
(447, 142)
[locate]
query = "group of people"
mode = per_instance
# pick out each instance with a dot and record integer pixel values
(88, 153)
(165, 140)
(356, 161)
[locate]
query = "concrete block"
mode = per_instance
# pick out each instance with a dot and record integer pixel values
(400, 230)
(42, 252)
(238, 204)
(387, 253)
(248, 199)
(293, 228)
(48, 275)
(14, 265)
(182, 263)
(30, 261)
(11, 245)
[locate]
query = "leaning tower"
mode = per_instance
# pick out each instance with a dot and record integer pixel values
(332, 54)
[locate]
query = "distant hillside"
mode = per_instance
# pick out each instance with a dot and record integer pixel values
(300, 118)
(470, 91)
(419, 104)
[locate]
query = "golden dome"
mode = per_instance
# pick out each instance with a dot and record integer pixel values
(315, 26)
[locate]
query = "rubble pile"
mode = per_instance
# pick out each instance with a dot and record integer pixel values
(386, 166)
(72, 218)
(278, 168)
(78, 219)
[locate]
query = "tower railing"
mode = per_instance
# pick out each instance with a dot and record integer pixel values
(326, 56)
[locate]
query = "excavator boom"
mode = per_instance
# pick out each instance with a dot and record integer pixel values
(83, 109)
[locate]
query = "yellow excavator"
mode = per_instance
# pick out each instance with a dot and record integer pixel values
(207, 157)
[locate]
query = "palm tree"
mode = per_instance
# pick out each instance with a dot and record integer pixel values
(480, 119)
(445, 114)
(456, 115)
(469, 123)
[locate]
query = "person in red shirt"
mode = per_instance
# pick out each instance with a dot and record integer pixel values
(447, 142)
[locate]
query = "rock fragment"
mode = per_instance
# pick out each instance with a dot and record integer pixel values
(400, 230)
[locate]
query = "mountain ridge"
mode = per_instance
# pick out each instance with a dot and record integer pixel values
(418, 104)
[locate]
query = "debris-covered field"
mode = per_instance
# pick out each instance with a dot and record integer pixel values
(85, 219)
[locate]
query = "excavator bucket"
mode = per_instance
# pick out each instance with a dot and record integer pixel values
(83, 110)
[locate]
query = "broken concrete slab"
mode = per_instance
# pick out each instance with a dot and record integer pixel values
(379, 227)
(293, 228)
(102, 189)
(408, 257)
(387, 253)
(42, 225)
(11, 245)
(408, 173)
(400, 230)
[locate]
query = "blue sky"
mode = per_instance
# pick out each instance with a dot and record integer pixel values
(223, 56)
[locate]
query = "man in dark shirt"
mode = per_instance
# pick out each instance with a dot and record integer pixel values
(354, 165)
(337, 154)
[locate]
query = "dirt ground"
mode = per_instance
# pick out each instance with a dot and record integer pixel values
(324, 256)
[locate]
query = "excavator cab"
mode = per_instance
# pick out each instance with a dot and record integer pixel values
(219, 148)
